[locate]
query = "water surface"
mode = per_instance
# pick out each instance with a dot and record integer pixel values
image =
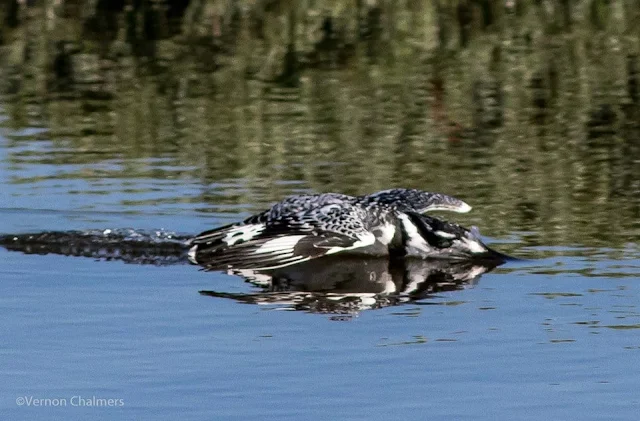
(533, 124)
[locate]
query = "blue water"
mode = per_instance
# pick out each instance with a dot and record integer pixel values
(553, 337)
(142, 334)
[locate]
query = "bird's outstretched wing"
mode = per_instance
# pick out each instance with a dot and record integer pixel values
(288, 238)
(416, 201)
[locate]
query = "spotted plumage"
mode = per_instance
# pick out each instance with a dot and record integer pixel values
(305, 227)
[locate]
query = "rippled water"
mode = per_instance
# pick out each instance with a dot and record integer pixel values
(555, 335)
(539, 133)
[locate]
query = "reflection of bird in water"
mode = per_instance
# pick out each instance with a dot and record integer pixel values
(304, 227)
(339, 285)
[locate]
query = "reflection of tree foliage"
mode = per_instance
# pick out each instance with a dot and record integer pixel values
(527, 109)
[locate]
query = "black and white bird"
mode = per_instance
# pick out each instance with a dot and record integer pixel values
(305, 227)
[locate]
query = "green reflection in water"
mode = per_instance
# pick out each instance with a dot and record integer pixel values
(527, 110)
(553, 295)
(623, 327)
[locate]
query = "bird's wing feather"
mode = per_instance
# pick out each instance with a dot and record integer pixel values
(283, 241)
(274, 252)
(417, 200)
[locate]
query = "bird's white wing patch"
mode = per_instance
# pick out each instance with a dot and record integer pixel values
(281, 245)
(460, 207)
(243, 233)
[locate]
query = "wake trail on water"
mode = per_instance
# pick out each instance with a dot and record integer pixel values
(149, 247)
